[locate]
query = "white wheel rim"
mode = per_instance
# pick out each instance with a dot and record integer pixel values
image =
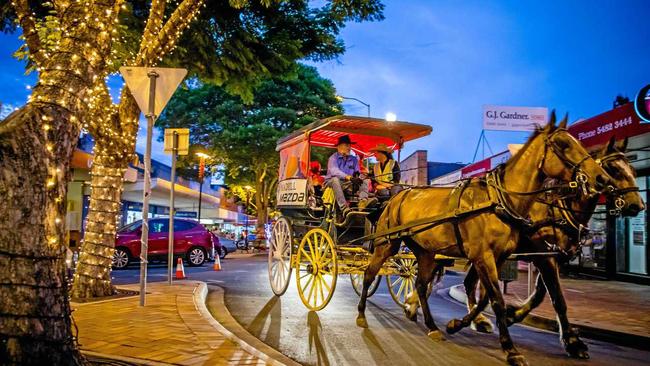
(280, 256)
(120, 259)
(400, 286)
(196, 256)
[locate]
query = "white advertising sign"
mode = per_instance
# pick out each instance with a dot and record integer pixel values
(499, 159)
(513, 118)
(292, 192)
(449, 179)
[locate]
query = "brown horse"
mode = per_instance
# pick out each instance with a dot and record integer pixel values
(565, 231)
(485, 237)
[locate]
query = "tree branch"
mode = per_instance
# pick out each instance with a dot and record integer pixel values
(171, 31)
(28, 24)
(153, 26)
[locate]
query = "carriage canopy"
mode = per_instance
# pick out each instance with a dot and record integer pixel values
(365, 132)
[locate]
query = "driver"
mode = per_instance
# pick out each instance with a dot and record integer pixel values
(342, 169)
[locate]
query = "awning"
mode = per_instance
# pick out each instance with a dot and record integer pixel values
(185, 199)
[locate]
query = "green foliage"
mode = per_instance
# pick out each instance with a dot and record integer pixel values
(236, 43)
(242, 137)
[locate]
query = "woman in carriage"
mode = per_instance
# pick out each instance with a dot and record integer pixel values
(386, 172)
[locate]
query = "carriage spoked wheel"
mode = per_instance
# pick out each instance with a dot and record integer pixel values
(317, 269)
(280, 256)
(402, 285)
(357, 284)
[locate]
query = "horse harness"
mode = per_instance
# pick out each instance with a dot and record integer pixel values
(497, 201)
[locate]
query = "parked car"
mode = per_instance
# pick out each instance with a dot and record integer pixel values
(192, 242)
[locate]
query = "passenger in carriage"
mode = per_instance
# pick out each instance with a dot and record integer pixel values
(342, 171)
(386, 172)
(315, 178)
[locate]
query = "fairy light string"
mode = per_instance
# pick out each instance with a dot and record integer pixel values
(60, 101)
(114, 128)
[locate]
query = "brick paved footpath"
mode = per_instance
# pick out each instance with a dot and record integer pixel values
(610, 305)
(169, 329)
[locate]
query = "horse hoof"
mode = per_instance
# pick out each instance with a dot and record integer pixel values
(411, 314)
(577, 349)
(454, 326)
(436, 335)
(362, 322)
(482, 325)
(517, 360)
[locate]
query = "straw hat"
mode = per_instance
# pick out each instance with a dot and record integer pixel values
(382, 147)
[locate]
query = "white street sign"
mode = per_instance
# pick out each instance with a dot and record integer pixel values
(183, 140)
(138, 81)
(513, 118)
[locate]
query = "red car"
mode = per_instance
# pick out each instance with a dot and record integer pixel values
(192, 242)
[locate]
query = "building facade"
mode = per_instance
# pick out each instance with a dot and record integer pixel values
(216, 209)
(418, 171)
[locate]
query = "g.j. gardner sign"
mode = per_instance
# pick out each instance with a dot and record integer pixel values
(513, 118)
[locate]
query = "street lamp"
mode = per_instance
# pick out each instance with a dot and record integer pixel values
(202, 157)
(248, 199)
(340, 98)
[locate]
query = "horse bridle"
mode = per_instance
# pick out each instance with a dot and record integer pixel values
(618, 193)
(568, 221)
(579, 178)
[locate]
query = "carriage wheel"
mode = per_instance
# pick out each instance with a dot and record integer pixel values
(400, 286)
(317, 269)
(280, 256)
(357, 284)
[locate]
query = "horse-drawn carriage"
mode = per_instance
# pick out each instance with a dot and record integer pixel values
(308, 237)
(536, 205)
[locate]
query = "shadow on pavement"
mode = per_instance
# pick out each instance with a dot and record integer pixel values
(315, 329)
(271, 312)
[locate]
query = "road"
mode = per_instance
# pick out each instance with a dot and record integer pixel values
(330, 337)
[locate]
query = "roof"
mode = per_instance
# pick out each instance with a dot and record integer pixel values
(365, 132)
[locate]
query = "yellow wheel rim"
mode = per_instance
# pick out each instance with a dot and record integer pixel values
(400, 286)
(317, 269)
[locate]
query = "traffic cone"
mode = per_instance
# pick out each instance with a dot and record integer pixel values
(180, 270)
(217, 263)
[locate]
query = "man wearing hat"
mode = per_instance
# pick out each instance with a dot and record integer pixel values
(341, 169)
(386, 171)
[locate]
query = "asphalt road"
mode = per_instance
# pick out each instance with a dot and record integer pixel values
(330, 337)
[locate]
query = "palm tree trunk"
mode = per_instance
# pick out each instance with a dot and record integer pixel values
(93, 274)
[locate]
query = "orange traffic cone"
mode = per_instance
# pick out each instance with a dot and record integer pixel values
(180, 270)
(217, 263)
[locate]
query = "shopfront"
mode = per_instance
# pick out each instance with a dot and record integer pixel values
(618, 246)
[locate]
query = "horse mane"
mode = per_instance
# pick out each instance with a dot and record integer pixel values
(515, 158)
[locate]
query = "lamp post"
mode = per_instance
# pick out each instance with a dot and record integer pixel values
(248, 200)
(341, 98)
(202, 157)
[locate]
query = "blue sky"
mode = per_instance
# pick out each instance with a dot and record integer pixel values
(438, 62)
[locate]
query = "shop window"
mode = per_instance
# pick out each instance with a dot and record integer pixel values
(636, 238)
(594, 249)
